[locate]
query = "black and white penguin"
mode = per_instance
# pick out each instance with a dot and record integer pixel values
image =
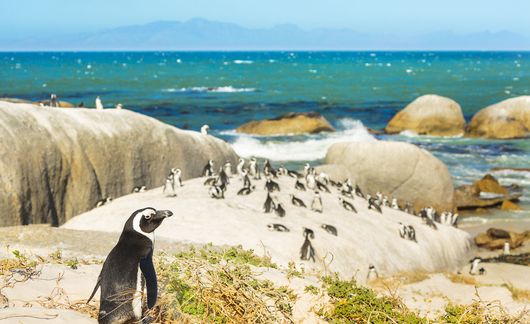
(178, 178)
(138, 189)
(323, 178)
(99, 104)
(271, 185)
(278, 228)
(170, 183)
(103, 201)
(53, 100)
(473, 269)
(307, 168)
(394, 204)
(299, 186)
(372, 273)
(205, 129)
(246, 179)
(347, 205)
(268, 206)
(207, 171)
(330, 229)
(316, 203)
(307, 252)
(372, 204)
(268, 170)
(322, 187)
(210, 181)
(403, 230)
(223, 178)
(426, 220)
(278, 208)
(217, 191)
(297, 201)
(346, 189)
(245, 191)
(411, 235)
(253, 169)
(294, 174)
(309, 232)
(119, 106)
(240, 168)
(481, 271)
(310, 179)
(227, 168)
(358, 191)
(129, 268)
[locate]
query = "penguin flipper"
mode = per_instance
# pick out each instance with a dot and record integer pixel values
(98, 284)
(148, 270)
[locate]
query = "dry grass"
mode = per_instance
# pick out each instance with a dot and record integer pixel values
(403, 278)
(220, 287)
(517, 293)
(461, 279)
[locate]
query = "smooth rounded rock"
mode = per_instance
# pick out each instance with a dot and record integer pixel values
(289, 124)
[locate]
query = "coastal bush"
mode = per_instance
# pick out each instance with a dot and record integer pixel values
(219, 286)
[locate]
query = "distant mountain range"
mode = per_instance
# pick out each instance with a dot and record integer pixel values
(201, 34)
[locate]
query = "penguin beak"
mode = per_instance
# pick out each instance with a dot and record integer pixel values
(161, 214)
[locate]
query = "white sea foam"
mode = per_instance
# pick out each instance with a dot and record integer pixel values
(305, 148)
(223, 89)
(243, 62)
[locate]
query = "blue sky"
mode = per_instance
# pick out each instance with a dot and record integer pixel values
(21, 18)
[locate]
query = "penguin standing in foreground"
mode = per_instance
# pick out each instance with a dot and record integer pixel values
(307, 252)
(128, 267)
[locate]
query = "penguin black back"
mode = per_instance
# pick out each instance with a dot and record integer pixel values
(120, 278)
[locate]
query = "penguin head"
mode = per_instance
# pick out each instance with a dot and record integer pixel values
(178, 171)
(144, 221)
(241, 161)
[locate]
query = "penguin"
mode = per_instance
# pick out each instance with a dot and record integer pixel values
(385, 202)
(294, 174)
(282, 171)
(474, 266)
(316, 203)
(223, 178)
(128, 267)
(217, 191)
(372, 204)
(297, 201)
(81, 104)
(299, 186)
(408, 208)
(454, 220)
(99, 104)
(372, 273)
(170, 183)
(394, 204)
(278, 228)
(347, 205)
(239, 168)
(245, 191)
(207, 171)
(346, 190)
(103, 201)
(403, 230)
(411, 233)
(178, 177)
(307, 167)
(358, 191)
(204, 129)
(330, 229)
(138, 189)
(506, 248)
(426, 220)
(278, 207)
(268, 170)
(481, 271)
(307, 252)
(227, 168)
(310, 180)
(253, 169)
(309, 232)
(271, 186)
(379, 198)
(53, 100)
(246, 179)
(323, 178)
(322, 187)
(268, 206)
(210, 181)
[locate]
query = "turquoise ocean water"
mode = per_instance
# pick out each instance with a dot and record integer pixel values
(351, 89)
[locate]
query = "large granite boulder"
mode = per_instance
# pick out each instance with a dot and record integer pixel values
(289, 124)
(396, 169)
(507, 119)
(57, 163)
(429, 115)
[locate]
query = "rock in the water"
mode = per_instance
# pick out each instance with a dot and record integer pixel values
(508, 205)
(429, 115)
(289, 124)
(507, 119)
(398, 170)
(62, 104)
(495, 238)
(521, 259)
(486, 192)
(57, 163)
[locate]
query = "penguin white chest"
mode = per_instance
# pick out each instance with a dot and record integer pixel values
(137, 298)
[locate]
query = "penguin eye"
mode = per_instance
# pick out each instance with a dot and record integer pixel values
(148, 216)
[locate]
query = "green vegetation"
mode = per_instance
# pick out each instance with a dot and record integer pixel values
(351, 303)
